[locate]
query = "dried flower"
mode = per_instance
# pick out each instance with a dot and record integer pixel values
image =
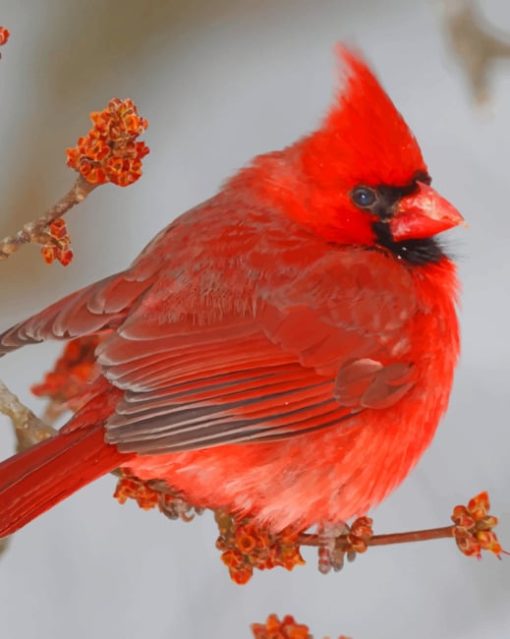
(4, 35)
(58, 243)
(359, 535)
(109, 152)
(245, 546)
(152, 493)
(473, 527)
(133, 488)
(287, 628)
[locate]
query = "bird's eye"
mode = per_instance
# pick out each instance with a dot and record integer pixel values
(363, 196)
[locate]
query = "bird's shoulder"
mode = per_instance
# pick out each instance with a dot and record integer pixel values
(228, 256)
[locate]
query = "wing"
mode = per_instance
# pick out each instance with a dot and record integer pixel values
(100, 306)
(302, 352)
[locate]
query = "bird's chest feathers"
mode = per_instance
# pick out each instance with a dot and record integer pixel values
(435, 330)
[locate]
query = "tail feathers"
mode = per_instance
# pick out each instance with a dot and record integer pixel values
(37, 479)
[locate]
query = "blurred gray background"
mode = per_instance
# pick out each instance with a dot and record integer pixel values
(222, 80)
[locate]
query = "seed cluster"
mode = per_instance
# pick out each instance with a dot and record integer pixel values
(473, 527)
(110, 151)
(245, 546)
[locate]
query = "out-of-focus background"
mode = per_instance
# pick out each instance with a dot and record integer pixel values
(222, 80)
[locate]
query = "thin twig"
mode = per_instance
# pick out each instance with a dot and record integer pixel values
(29, 429)
(37, 231)
(342, 542)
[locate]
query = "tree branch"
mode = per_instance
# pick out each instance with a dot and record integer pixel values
(29, 429)
(343, 542)
(37, 231)
(476, 44)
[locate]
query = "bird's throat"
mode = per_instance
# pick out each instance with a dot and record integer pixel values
(419, 252)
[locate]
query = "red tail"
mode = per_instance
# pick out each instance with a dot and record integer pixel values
(37, 479)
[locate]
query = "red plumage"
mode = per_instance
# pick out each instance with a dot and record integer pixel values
(285, 349)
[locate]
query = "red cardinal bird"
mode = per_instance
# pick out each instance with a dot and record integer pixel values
(283, 350)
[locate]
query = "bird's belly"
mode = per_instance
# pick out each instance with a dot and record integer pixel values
(328, 476)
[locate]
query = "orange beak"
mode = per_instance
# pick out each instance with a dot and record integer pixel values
(423, 214)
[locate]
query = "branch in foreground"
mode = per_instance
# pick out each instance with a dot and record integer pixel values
(246, 546)
(344, 541)
(472, 529)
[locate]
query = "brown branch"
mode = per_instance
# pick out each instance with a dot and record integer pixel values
(29, 429)
(4, 542)
(37, 231)
(476, 44)
(343, 542)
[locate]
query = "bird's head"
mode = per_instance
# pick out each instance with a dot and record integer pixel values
(361, 178)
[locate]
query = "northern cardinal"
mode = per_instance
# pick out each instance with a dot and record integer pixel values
(284, 350)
